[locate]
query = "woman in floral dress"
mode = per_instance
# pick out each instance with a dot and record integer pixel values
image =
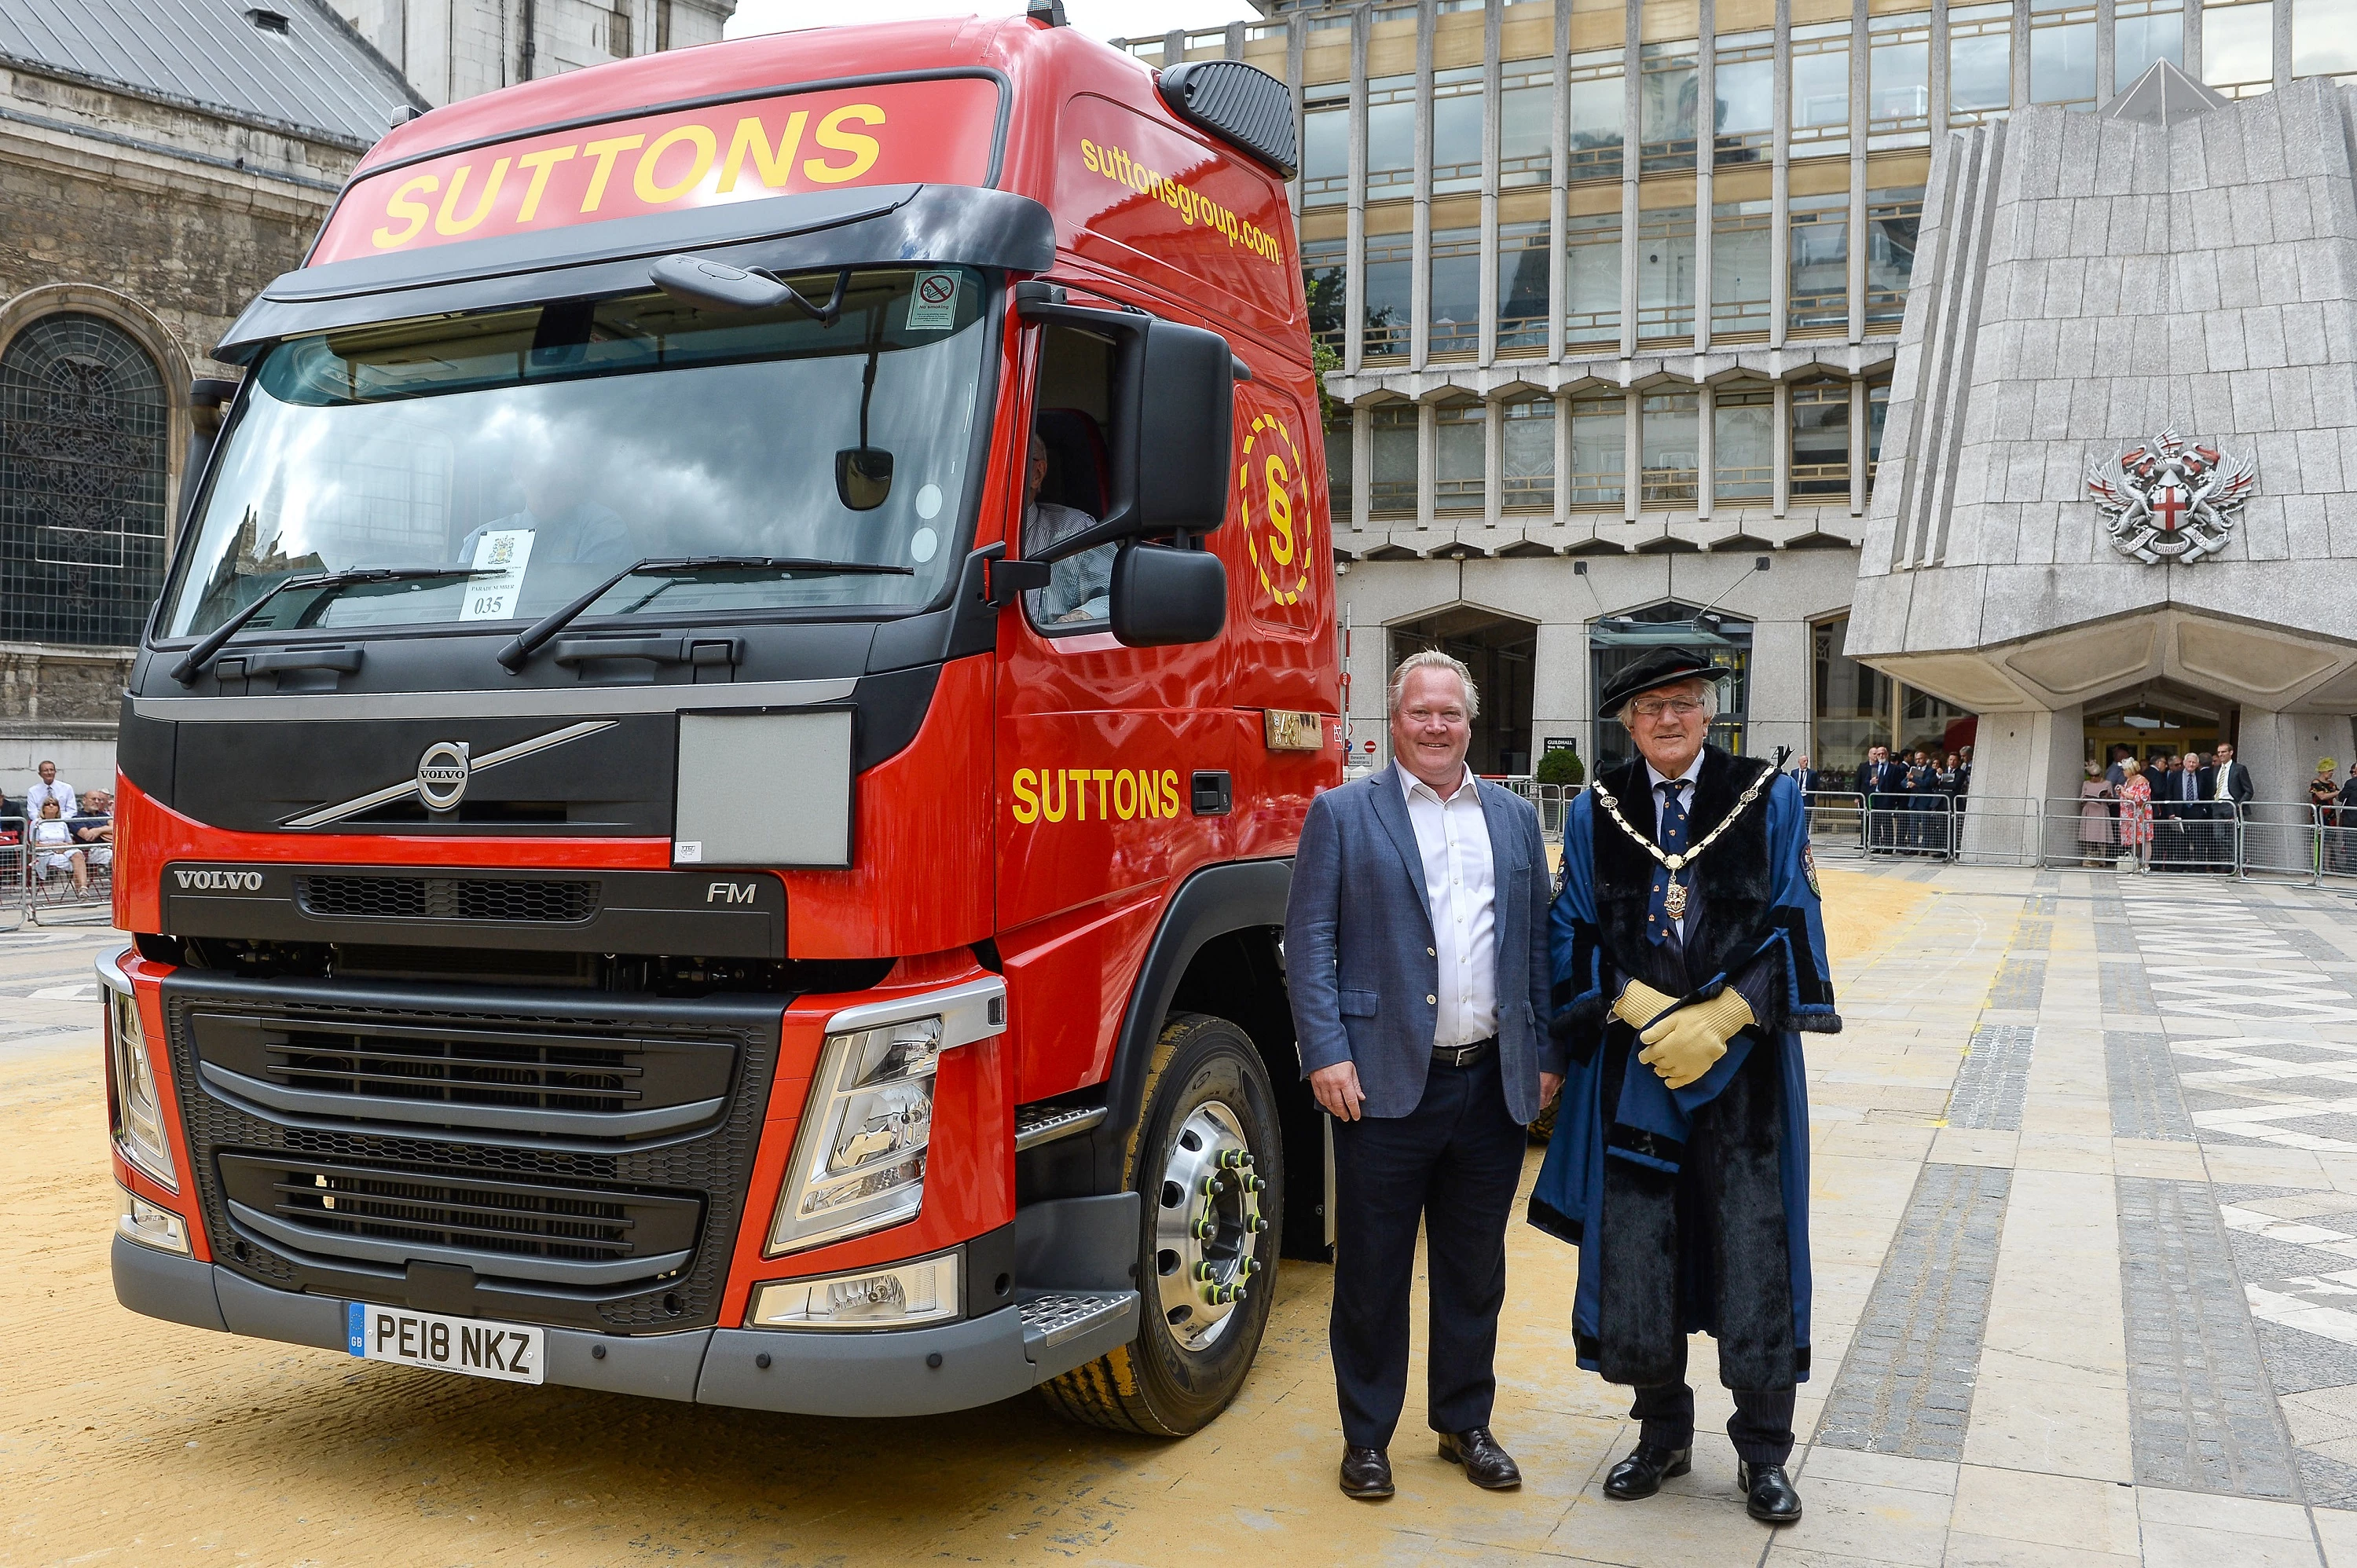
(2136, 814)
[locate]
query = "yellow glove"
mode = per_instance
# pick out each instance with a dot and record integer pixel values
(1640, 1004)
(1681, 1046)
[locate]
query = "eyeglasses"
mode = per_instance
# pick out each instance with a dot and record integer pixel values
(1681, 706)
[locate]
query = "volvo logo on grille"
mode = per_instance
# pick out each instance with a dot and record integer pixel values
(221, 881)
(442, 775)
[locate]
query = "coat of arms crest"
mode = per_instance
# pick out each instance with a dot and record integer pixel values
(2171, 498)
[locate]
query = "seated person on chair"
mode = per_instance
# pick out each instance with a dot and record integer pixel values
(1082, 584)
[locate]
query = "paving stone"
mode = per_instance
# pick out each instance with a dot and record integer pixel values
(2020, 985)
(2146, 1102)
(2201, 1406)
(1906, 1386)
(2124, 989)
(1991, 1084)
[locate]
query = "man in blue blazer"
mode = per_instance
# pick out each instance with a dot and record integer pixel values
(1416, 956)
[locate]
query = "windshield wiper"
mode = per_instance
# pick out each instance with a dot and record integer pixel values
(519, 651)
(192, 664)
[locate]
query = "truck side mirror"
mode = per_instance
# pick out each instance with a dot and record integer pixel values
(1162, 596)
(1179, 428)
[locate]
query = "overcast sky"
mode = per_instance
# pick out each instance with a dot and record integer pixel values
(1101, 18)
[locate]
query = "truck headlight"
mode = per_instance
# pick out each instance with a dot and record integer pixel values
(149, 1224)
(132, 1107)
(859, 1161)
(900, 1296)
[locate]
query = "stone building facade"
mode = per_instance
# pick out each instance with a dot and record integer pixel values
(2174, 278)
(453, 51)
(157, 168)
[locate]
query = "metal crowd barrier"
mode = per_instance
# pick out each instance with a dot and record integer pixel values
(1999, 830)
(14, 912)
(37, 881)
(2337, 843)
(1914, 827)
(1837, 822)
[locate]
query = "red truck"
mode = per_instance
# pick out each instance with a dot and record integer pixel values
(706, 808)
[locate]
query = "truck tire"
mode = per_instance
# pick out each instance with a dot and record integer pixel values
(1208, 1161)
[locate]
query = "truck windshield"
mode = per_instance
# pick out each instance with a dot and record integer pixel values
(548, 448)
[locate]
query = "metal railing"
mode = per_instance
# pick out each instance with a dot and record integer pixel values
(1837, 822)
(52, 884)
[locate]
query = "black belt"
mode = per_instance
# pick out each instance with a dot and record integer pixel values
(1462, 1056)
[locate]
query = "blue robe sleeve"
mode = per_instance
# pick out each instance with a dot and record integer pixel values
(1583, 993)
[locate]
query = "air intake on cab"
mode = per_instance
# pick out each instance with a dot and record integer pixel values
(1247, 108)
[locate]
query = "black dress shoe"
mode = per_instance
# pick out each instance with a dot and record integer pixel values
(1768, 1494)
(1366, 1473)
(1642, 1474)
(1486, 1464)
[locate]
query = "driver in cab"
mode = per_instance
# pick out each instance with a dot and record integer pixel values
(1081, 586)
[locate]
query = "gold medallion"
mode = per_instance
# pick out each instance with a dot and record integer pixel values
(1674, 901)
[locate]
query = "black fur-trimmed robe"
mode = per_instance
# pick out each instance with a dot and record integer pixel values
(1689, 1208)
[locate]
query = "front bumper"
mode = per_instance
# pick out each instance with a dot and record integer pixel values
(902, 1372)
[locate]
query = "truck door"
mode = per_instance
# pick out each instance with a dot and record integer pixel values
(1113, 761)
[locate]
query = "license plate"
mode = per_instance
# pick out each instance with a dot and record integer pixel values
(508, 1351)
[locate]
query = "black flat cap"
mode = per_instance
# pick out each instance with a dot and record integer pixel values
(1662, 667)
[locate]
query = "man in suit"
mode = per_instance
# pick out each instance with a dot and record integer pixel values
(1689, 958)
(1415, 947)
(2228, 788)
(1883, 782)
(2166, 777)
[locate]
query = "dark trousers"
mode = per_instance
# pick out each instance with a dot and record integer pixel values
(1452, 1163)
(1761, 1426)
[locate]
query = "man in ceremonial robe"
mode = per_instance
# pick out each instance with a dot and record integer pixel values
(1689, 956)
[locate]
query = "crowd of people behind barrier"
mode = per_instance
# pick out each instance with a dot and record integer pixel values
(57, 844)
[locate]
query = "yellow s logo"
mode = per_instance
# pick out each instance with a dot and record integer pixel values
(1279, 557)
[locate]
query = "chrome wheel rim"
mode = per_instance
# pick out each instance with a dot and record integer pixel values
(1206, 1228)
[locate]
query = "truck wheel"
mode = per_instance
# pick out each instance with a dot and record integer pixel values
(1207, 1158)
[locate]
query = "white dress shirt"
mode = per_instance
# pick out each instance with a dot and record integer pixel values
(1654, 780)
(1452, 837)
(39, 794)
(2225, 782)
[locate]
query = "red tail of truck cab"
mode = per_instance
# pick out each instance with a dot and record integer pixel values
(707, 807)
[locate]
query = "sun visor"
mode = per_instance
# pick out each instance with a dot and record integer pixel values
(873, 226)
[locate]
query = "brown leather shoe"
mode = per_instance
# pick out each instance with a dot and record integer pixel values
(1366, 1473)
(1486, 1464)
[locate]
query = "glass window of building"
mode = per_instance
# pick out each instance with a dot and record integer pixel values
(2146, 31)
(1739, 266)
(1980, 62)
(1893, 218)
(1522, 265)
(1672, 448)
(1851, 704)
(1878, 415)
(1818, 297)
(1926, 723)
(2062, 54)
(1455, 293)
(1326, 147)
(86, 423)
(2323, 41)
(1528, 483)
(1820, 90)
(1665, 268)
(1391, 137)
(1390, 303)
(1324, 279)
(1591, 278)
(1459, 443)
(1665, 105)
(1338, 464)
(1743, 443)
(1525, 122)
(1457, 130)
(1744, 85)
(1391, 459)
(1593, 95)
(1899, 80)
(1599, 449)
(2238, 48)
(1821, 439)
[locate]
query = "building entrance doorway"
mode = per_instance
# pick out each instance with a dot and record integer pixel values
(1500, 652)
(2153, 722)
(1617, 642)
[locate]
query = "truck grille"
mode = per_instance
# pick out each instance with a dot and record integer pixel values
(345, 1135)
(393, 1214)
(448, 898)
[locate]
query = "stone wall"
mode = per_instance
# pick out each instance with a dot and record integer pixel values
(453, 51)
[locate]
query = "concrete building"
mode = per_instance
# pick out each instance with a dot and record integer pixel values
(2154, 305)
(1616, 292)
(160, 160)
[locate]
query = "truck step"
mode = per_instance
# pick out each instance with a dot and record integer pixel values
(1055, 1317)
(1046, 1122)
